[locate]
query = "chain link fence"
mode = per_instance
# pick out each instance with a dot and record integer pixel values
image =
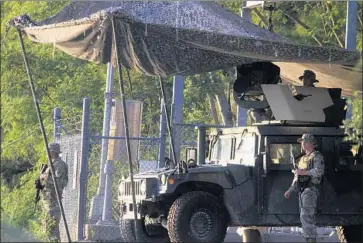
(101, 219)
(68, 135)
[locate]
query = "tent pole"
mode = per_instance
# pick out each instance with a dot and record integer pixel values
(122, 93)
(168, 121)
(35, 99)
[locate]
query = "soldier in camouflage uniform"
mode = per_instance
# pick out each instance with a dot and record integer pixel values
(52, 213)
(308, 176)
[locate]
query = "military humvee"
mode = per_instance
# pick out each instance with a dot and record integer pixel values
(242, 180)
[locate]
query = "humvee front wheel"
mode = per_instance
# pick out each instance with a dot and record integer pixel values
(146, 233)
(197, 217)
(352, 233)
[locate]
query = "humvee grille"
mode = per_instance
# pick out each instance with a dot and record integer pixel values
(127, 190)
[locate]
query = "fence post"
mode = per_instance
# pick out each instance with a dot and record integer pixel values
(56, 123)
(177, 113)
(97, 201)
(107, 206)
(351, 25)
(83, 174)
(161, 159)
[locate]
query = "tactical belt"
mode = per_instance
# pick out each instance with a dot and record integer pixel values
(304, 182)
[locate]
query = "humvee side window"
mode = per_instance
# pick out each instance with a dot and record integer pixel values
(282, 153)
(222, 149)
(245, 150)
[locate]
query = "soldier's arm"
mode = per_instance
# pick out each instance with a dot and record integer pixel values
(293, 184)
(318, 166)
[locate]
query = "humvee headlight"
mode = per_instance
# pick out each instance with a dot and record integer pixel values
(163, 179)
(171, 181)
(143, 188)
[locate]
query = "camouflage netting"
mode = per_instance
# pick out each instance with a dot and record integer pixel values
(166, 38)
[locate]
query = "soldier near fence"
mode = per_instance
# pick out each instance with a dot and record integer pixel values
(308, 175)
(51, 209)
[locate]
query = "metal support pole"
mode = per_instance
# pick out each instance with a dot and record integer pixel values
(83, 174)
(106, 125)
(56, 118)
(351, 25)
(45, 139)
(201, 144)
(161, 159)
(351, 36)
(121, 82)
(97, 201)
(177, 113)
(168, 124)
(107, 206)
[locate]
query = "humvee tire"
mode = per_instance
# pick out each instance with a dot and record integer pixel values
(197, 217)
(251, 235)
(128, 232)
(351, 233)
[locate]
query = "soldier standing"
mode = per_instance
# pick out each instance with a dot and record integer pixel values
(308, 175)
(51, 211)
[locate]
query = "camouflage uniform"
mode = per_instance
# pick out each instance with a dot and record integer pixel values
(314, 164)
(52, 213)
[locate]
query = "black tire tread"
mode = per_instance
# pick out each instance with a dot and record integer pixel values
(128, 233)
(175, 213)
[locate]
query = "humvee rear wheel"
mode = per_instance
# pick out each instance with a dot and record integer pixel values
(146, 233)
(197, 217)
(352, 233)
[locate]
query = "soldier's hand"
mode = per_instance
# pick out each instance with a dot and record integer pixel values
(43, 177)
(287, 194)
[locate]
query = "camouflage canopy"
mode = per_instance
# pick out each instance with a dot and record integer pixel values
(168, 38)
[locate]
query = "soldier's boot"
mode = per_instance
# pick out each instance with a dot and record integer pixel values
(311, 240)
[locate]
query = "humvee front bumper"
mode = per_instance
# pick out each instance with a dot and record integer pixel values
(146, 189)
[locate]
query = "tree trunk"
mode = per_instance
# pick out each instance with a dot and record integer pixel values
(212, 104)
(225, 109)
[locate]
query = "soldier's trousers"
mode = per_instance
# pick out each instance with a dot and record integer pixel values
(308, 203)
(51, 216)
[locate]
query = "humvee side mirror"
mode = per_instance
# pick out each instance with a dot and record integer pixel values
(191, 156)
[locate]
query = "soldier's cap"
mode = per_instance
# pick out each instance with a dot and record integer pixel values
(307, 138)
(55, 147)
(309, 74)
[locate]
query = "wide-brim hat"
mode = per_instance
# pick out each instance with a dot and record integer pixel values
(309, 74)
(55, 147)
